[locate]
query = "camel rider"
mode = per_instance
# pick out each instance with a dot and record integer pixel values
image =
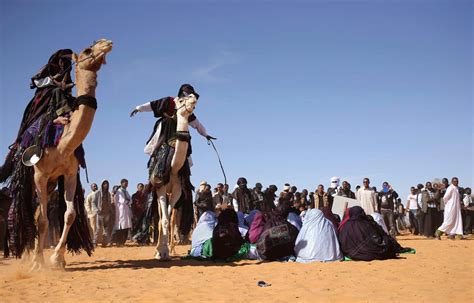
(47, 112)
(164, 109)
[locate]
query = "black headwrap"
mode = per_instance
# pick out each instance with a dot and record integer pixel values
(59, 63)
(187, 89)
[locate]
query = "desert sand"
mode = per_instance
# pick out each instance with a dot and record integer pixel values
(440, 271)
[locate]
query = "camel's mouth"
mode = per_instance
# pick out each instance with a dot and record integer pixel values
(103, 46)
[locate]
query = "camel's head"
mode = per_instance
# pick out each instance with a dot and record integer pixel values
(185, 105)
(92, 57)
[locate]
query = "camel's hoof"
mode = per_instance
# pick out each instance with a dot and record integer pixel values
(163, 256)
(37, 263)
(37, 266)
(57, 261)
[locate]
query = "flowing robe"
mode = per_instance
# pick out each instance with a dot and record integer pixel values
(452, 221)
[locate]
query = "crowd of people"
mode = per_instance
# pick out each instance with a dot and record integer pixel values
(305, 219)
(368, 230)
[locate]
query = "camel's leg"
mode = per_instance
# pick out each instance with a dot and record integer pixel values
(162, 250)
(160, 229)
(174, 197)
(172, 231)
(41, 182)
(70, 183)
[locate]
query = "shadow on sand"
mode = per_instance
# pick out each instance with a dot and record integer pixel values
(152, 263)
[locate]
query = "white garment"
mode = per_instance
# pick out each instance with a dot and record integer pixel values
(452, 223)
(123, 212)
(412, 202)
(378, 218)
(43, 82)
(467, 200)
(367, 200)
(91, 210)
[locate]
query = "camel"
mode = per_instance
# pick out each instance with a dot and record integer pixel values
(173, 190)
(60, 160)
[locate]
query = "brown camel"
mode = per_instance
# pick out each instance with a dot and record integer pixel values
(172, 190)
(60, 160)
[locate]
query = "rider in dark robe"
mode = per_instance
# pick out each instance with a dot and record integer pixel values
(160, 147)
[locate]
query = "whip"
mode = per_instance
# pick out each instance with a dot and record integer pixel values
(209, 142)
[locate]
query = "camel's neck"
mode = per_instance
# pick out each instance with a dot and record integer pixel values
(182, 124)
(81, 120)
(181, 147)
(86, 82)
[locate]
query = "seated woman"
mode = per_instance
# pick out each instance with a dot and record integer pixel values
(226, 238)
(278, 238)
(256, 227)
(249, 219)
(202, 232)
(317, 240)
(361, 238)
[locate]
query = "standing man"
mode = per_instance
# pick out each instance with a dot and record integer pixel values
(346, 191)
(421, 215)
(123, 216)
(367, 198)
(429, 210)
(91, 210)
(412, 209)
(332, 190)
(204, 201)
(387, 198)
(257, 196)
(139, 200)
(218, 198)
(103, 200)
(469, 207)
(452, 223)
(269, 196)
(243, 197)
(320, 198)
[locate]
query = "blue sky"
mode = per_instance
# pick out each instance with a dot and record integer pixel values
(295, 91)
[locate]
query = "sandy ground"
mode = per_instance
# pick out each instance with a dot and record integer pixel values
(440, 271)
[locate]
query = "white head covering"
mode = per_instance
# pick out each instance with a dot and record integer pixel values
(334, 182)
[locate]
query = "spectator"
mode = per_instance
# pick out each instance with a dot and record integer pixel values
(105, 218)
(345, 190)
(366, 196)
(139, 200)
(452, 223)
(320, 198)
(412, 209)
(91, 210)
(386, 201)
(123, 213)
(469, 208)
(243, 197)
(204, 201)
